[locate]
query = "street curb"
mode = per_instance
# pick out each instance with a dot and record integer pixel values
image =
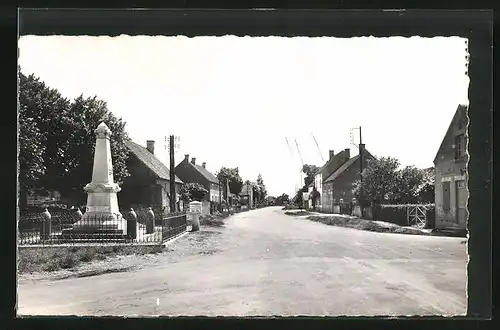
(173, 239)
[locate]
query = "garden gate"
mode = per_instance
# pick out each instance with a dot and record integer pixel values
(417, 216)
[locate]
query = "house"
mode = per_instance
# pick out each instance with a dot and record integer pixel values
(247, 195)
(190, 172)
(451, 192)
(323, 203)
(337, 188)
(149, 180)
(42, 197)
(307, 197)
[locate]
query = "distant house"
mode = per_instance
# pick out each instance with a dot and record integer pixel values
(42, 196)
(338, 186)
(190, 172)
(307, 196)
(451, 192)
(149, 180)
(246, 195)
(323, 203)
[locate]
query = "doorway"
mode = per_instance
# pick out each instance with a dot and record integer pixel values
(460, 201)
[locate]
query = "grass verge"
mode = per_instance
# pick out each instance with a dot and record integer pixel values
(367, 225)
(216, 219)
(49, 259)
(297, 213)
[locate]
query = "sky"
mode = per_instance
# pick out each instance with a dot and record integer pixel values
(235, 101)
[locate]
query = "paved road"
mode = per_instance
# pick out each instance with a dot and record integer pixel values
(267, 263)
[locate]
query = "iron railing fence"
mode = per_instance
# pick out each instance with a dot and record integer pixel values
(144, 225)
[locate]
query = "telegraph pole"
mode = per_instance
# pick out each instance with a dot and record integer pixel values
(220, 197)
(361, 149)
(172, 172)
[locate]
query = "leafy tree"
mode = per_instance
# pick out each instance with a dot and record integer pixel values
(408, 182)
(298, 200)
(310, 171)
(380, 178)
(261, 188)
(57, 139)
(426, 190)
(85, 115)
(280, 200)
(40, 112)
(192, 192)
(384, 183)
(315, 195)
(232, 176)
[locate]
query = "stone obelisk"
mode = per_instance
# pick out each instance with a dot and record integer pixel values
(102, 215)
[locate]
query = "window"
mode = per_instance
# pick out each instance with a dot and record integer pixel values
(446, 196)
(459, 146)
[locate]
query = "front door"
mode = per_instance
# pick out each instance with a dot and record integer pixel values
(460, 202)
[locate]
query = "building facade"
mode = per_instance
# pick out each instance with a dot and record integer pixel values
(339, 185)
(149, 180)
(190, 172)
(451, 193)
(323, 203)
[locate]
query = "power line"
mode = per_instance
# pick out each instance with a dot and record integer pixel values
(317, 146)
(298, 150)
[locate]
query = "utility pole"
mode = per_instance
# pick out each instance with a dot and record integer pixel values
(220, 197)
(361, 149)
(171, 141)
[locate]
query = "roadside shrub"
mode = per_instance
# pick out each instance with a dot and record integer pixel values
(67, 262)
(298, 213)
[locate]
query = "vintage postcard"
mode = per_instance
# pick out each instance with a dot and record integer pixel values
(243, 176)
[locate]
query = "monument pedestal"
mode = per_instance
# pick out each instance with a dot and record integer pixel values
(102, 218)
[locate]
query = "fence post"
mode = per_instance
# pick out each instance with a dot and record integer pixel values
(150, 221)
(132, 224)
(79, 214)
(46, 225)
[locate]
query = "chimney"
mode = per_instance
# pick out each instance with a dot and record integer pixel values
(332, 153)
(204, 165)
(348, 153)
(193, 161)
(186, 158)
(150, 146)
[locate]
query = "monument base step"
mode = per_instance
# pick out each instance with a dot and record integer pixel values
(93, 231)
(92, 236)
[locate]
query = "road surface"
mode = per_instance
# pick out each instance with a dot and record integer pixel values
(266, 263)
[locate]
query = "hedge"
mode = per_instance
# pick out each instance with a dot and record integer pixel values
(397, 214)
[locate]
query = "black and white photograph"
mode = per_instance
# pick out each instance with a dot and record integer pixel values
(242, 176)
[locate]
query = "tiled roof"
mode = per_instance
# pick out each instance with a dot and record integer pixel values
(206, 174)
(324, 167)
(150, 160)
(346, 165)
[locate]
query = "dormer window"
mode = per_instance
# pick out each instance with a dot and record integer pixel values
(459, 146)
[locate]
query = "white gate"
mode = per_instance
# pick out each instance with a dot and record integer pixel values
(417, 216)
